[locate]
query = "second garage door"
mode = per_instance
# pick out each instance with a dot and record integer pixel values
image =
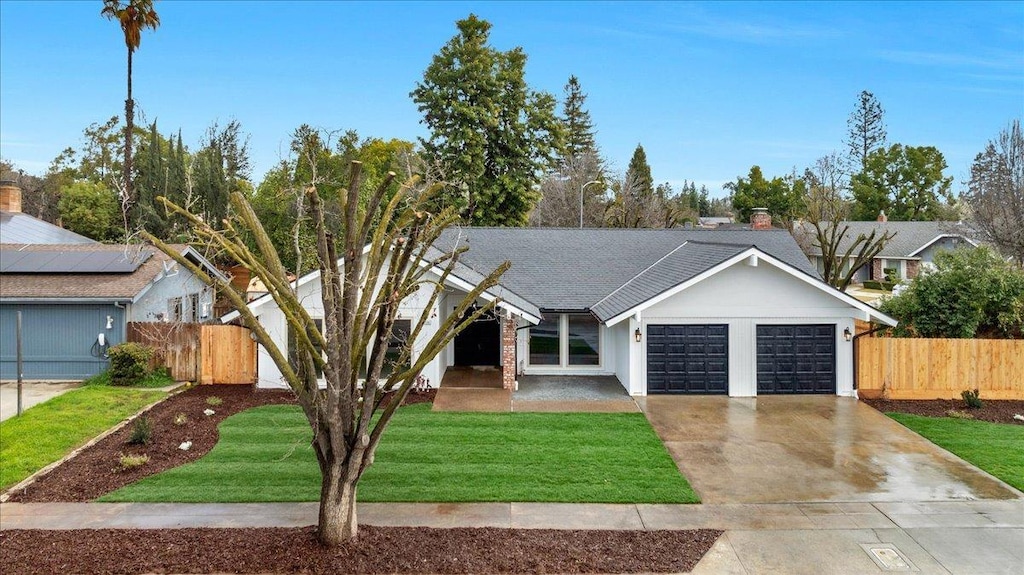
(796, 358)
(688, 359)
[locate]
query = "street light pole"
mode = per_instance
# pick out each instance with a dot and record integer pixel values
(582, 189)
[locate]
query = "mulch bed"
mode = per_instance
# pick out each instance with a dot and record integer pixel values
(377, 550)
(96, 470)
(994, 410)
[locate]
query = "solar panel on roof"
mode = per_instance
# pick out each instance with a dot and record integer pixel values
(55, 261)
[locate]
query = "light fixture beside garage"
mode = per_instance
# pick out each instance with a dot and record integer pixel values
(847, 335)
(637, 335)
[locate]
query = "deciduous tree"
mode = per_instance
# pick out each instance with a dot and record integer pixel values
(90, 209)
(389, 251)
(996, 191)
(491, 135)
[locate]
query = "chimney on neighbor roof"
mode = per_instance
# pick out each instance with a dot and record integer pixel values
(760, 220)
(882, 217)
(10, 196)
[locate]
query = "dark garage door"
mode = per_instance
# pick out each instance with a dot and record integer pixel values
(57, 339)
(688, 359)
(796, 358)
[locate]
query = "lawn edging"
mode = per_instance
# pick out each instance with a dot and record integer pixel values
(25, 483)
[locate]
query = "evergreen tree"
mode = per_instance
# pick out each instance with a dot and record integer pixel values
(782, 196)
(491, 136)
(906, 182)
(579, 129)
(639, 171)
(865, 130)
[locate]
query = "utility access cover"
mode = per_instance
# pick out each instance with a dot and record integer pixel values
(888, 557)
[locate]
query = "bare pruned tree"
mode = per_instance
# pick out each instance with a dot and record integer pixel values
(825, 229)
(389, 251)
(563, 192)
(996, 192)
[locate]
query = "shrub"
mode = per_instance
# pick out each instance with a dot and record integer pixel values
(180, 419)
(214, 400)
(971, 398)
(129, 363)
(132, 461)
(142, 431)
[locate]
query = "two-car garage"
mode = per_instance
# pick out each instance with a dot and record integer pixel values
(694, 358)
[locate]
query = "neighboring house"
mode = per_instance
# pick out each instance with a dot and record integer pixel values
(712, 222)
(665, 311)
(913, 245)
(72, 292)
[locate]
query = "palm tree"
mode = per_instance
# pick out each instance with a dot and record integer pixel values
(134, 16)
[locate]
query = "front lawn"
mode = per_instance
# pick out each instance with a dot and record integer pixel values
(264, 455)
(997, 448)
(48, 431)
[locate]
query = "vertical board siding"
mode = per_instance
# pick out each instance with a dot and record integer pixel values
(915, 368)
(202, 353)
(59, 341)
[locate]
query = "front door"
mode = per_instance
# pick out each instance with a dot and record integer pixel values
(479, 343)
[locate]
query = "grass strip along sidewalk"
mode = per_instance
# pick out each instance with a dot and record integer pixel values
(997, 448)
(264, 455)
(49, 431)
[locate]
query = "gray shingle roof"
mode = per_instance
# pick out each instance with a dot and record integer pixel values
(19, 228)
(910, 236)
(559, 269)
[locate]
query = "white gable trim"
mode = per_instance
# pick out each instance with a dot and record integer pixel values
(452, 280)
(939, 237)
(869, 311)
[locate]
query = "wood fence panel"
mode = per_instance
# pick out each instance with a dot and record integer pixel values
(228, 355)
(176, 345)
(913, 368)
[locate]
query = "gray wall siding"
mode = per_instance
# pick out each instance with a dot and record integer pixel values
(949, 244)
(57, 339)
(154, 303)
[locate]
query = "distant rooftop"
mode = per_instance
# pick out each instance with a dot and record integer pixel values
(19, 228)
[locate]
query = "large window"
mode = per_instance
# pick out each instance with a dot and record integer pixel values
(566, 340)
(545, 341)
(399, 335)
(584, 340)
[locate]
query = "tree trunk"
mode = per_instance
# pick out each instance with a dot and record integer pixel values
(129, 125)
(337, 521)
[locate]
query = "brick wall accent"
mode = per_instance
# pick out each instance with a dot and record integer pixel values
(913, 268)
(508, 353)
(876, 270)
(10, 197)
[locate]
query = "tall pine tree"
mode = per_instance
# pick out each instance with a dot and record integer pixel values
(491, 136)
(865, 130)
(579, 128)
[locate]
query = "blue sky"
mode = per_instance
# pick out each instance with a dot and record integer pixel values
(709, 89)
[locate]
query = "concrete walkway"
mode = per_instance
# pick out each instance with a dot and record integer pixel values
(856, 538)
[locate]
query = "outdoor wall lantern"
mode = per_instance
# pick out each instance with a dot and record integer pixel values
(637, 335)
(847, 335)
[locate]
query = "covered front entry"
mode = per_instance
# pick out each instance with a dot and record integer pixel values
(480, 343)
(796, 359)
(688, 359)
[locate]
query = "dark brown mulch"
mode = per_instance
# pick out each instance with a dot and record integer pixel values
(378, 550)
(994, 410)
(95, 471)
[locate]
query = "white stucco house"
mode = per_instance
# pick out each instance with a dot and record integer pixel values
(680, 311)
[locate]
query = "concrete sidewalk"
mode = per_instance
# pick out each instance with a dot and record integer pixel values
(855, 538)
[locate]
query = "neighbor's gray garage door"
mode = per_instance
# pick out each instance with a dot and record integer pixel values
(57, 339)
(796, 358)
(688, 359)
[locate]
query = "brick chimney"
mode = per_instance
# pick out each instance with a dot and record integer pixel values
(760, 220)
(882, 217)
(10, 196)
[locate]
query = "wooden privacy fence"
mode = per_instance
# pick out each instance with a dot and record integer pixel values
(200, 353)
(917, 368)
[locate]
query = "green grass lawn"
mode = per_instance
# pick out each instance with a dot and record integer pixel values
(998, 448)
(264, 455)
(46, 432)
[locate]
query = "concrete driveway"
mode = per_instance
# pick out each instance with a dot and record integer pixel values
(807, 449)
(32, 393)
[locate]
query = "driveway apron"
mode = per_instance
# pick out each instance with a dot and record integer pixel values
(807, 449)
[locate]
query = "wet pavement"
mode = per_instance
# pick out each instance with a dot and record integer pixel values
(808, 449)
(32, 393)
